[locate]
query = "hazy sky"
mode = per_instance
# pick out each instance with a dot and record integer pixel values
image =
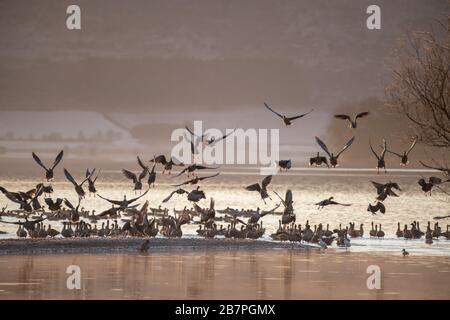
(205, 55)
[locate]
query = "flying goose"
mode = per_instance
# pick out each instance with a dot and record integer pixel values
(124, 203)
(261, 189)
(49, 170)
(379, 206)
(190, 169)
(28, 201)
(151, 174)
(196, 180)
(114, 211)
(432, 182)
(254, 218)
(213, 140)
(54, 205)
(334, 158)
(206, 214)
(318, 160)
(381, 164)
(353, 123)
(168, 164)
(137, 180)
(91, 182)
(27, 224)
(78, 187)
(385, 190)
(330, 201)
(404, 157)
(194, 196)
(287, 120)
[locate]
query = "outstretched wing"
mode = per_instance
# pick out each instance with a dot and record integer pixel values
(373, 151)
(143, 174)
(116, 202)
(323, 146)
(207, 177)
(348, 144)
(395, 153)
(266, 181)
(172, 193)
(134, 199)
(199, 167)
(141, 164)
(362, 114)
(300, 116)
(69, 177)
(58, 159)
(38, 161)
(130, 175)
(383, 153)
(342, 117)
(181, 172)
(267, 106)
(254, 187)
(67, 203)
(159, 159)
(412, 146)
(282, 200)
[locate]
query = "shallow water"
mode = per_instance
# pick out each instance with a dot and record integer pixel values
(274, 274)
(308, 185)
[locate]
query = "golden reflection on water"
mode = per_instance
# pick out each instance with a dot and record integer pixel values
(276, 274)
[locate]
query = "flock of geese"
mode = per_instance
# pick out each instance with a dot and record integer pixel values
(144, 221)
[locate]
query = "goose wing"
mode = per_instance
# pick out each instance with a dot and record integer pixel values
(373, 151)
(69, 177)
(266, 182)
(254, 187)
(134, 199)
(413, 144)
(207, 177)
(267, 106)
(323, 146)
(362, 114)
(159, 159)
(58, 159)
(129, 175)
(343, 117)
(38, 161)
(116, 202)
(67, 203)
(300, 116)
(348, 144)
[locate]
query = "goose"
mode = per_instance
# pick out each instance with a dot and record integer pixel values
(66, 232)
(52, 232)
(196, 180)
(168, 164)
(124, 203)
(380, 233)
(285, 164)
(353, 122)
(334, 158)
(91, 182)
(54, 205)
(196, 195)
(21, 232)
(405, 253)
(206, 214)
(427, 187)
(381, 164)
(78, 187)
(27, 203)
(428, 235)
(49, 171)
(318, 160)
(27, 224)
(447, 233)
(74, 211)
(328, 202)
(407, 234)
(399, 232)
(151, 174)
(211, 141)
(373, 232)
(261, 189)
(191, 169)
(379, 206)
(404, 161)
(137, 180)
(255, 217)
(287, 120)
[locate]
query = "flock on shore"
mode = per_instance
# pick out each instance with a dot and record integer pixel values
(34, 219)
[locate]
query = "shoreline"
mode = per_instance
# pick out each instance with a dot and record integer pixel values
(132, 244)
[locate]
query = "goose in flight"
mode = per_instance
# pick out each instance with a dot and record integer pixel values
(285, 164)
(334, 158)
(261, 189)
(381, 164)
(211, 141)
(114, 211)
(318, 160)
(432, 182)
(49, 171)
(78, 187)
(28, 225)
(352, 122)
(151, 174)
(167, 164)
(385, 190)
(54, 205)
(206, 214)
(28, 201)
(330, 201)
(196, 180)
(404, 161)
(445, 171)
(288, 212)
(193, 196)
(379, 206)
(91, 182)
(254, 218)
(74, 211)
(287, 120)
(124, 203)
(137, 180)
(190, 169)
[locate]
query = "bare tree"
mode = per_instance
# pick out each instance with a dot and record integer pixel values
(421, 86)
